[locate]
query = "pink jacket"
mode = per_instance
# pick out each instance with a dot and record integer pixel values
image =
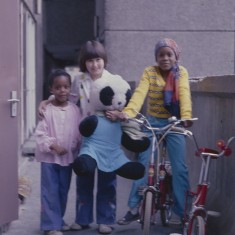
(60, 125)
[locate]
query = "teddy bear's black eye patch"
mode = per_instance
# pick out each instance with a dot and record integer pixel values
(128, 96)
(106, 96)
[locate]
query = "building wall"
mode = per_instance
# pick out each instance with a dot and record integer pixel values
(39, 55)
(203, 29)
(31, 61)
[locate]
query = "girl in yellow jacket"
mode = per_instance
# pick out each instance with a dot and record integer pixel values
(166, 87)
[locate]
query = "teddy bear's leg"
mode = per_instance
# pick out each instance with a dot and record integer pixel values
(131, 170)
(135, 145)
(84, 165)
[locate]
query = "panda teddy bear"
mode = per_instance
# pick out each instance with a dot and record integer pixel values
(103, 138)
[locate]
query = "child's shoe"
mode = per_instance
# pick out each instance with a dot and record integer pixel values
(104, 229)
(78, 227)
(128, 218)
(65, 228)
(54, 232)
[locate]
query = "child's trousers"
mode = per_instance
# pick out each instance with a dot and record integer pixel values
(105, 198)
(55, 183)
(176, 148)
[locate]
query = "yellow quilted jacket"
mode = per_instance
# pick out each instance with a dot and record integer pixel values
(151, 86)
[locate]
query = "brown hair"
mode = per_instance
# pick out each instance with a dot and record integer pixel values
(91, 50)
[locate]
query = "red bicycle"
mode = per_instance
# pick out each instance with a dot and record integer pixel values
(158, 193)
(196, 215)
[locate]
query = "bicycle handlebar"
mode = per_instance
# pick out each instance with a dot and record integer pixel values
(172, 126)
(225, 149)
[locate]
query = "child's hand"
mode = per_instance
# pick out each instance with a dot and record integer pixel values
(116, 115)
(58, 149)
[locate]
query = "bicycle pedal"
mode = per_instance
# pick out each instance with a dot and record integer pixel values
(214, 213)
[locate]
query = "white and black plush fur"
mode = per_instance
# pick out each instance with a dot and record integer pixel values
(101, 146)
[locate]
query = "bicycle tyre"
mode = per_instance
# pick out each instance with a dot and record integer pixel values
(197, 226)
(147, 213)
(166, 212)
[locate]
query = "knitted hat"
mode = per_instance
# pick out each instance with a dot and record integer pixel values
(167, 42)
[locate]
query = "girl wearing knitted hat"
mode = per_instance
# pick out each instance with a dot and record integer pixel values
(166, 85)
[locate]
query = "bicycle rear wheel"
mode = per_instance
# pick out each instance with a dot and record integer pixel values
(197, 226)
(147, 212)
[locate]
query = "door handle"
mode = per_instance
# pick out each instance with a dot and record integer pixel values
(13, 102)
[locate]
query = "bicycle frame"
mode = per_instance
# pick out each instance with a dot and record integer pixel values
(157, 176)
(157, 189)
(154, 194)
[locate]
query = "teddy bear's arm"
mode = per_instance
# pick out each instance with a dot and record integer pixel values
(135, 145)
(88, 125)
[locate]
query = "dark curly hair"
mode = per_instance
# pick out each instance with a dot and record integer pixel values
(55, 73)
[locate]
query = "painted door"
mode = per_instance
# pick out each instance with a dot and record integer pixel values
(9, 90)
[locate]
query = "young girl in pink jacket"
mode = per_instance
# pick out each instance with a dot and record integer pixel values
(57, 143)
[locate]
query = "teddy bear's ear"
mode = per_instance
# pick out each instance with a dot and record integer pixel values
(106, 96)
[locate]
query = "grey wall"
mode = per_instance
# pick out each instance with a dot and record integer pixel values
(203, 29)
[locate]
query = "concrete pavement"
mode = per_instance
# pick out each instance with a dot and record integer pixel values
(29, 212)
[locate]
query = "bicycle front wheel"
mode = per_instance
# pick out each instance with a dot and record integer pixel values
(147, 212)
(197, 226)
